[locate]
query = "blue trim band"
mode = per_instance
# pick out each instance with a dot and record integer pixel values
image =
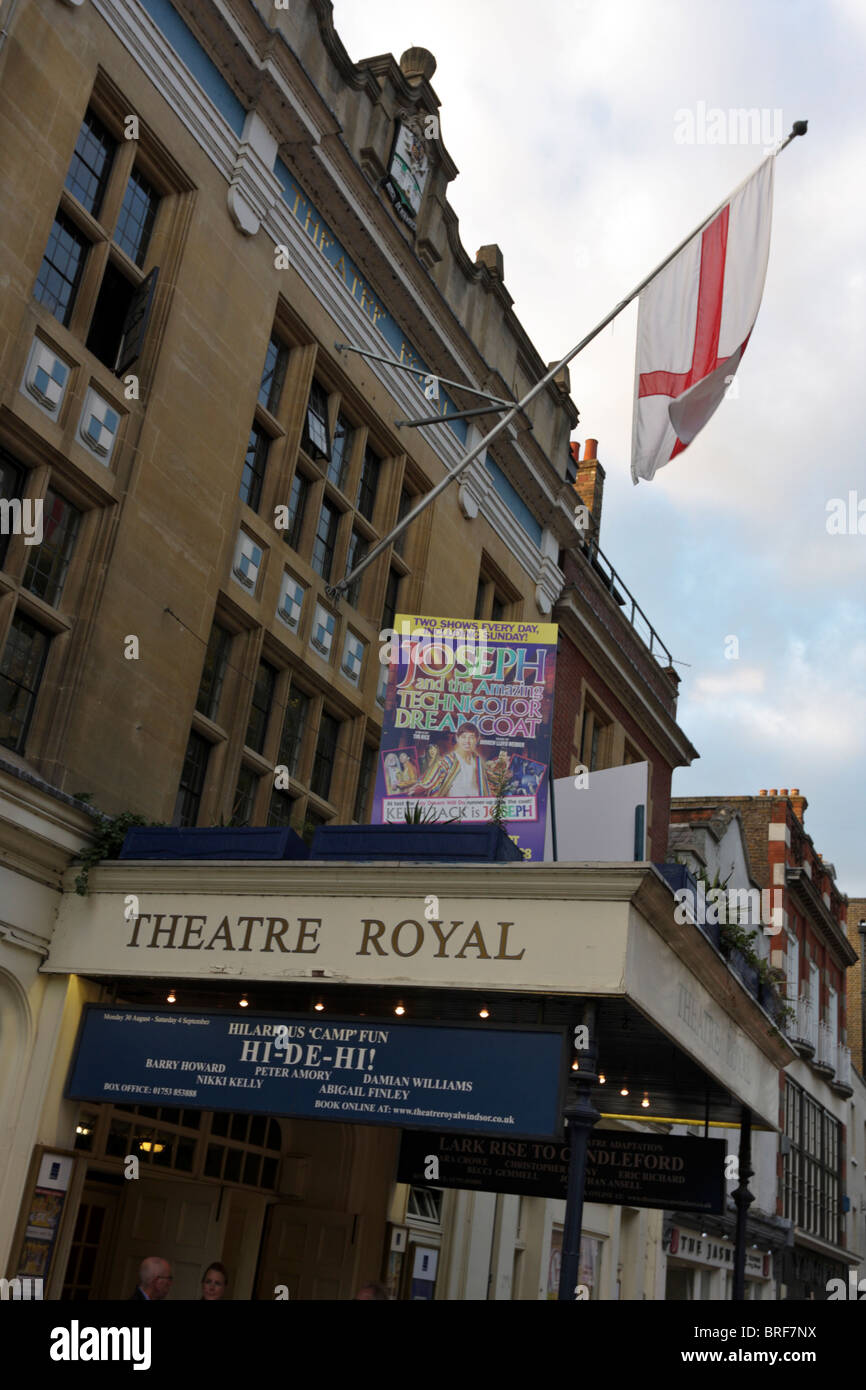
(203, 69)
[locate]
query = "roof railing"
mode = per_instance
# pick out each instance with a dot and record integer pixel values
(597, 559)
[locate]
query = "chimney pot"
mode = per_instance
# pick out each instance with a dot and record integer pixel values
(783, 791)
(798, 802)
(774, 791)
(762, 792)
(590, 480)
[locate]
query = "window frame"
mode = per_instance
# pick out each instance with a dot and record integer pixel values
(194, 734)
(222, 654)
(320, 759)
(293, 533)
(252, 497)
(318, 410)
(104, 178)
(152, 163)
(328, 543)
(388, 606)
(19, 472)
(138, 255)
(342, 464)
(62, 556)
(267, 673)
(277, 375)
(365, 489)
(21, 615)
(295, 763)
(75, 233)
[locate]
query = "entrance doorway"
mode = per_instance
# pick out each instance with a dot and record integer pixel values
(289, 1202)
(92, 1240)
(308, 1252)
(678, 1284)
(178, 1220)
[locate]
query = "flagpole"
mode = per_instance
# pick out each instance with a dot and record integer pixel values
(334, 591)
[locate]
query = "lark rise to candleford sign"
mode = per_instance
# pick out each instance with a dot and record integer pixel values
(468, 717)
(625, 1169)
(492, 1080)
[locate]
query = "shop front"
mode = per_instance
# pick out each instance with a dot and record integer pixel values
(245, 1043)
(700, 1267)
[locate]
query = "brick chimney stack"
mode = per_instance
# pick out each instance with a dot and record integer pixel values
(590, 480)
(799, 803)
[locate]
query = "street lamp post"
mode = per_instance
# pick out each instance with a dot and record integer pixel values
(580, 1115)
(743, 1198)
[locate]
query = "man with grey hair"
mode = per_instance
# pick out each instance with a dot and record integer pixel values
(154, 1279)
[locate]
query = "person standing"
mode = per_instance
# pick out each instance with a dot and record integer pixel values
(154, 1280)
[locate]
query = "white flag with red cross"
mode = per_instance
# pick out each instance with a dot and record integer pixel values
(694, 321)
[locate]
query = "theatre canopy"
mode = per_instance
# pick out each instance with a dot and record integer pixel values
(562, 931)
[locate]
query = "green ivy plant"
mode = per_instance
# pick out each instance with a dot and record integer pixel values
(108, 836)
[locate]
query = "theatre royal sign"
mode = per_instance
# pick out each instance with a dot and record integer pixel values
(522, 928)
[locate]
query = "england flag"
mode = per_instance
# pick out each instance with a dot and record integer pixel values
(694, 321)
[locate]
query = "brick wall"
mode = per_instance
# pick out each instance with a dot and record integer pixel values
(856, 913)
(572, 669)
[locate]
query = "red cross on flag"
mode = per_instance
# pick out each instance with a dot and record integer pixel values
(694, 321)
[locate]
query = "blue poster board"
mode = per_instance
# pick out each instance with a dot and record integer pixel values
(488, 1080)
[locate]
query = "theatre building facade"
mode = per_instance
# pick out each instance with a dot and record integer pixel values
(188, 465)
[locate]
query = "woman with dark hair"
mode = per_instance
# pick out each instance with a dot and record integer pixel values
(214, 1282)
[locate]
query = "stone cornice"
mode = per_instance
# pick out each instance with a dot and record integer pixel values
(567, 882)
(41, 829)
(298, 111)
(812, 903)
(262, 67)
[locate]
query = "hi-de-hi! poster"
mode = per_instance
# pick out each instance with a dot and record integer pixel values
(468, 716)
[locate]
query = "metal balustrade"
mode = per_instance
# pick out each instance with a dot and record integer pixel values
(806, 1029)
(826, 1054)
(614, 583)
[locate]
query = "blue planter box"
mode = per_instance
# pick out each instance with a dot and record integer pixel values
(470, 844)
(769, 1000)
(678, 877)
(216, 842)
(747, 973)
(713, 931)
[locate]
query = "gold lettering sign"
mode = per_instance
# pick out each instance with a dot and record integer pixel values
(179, 931)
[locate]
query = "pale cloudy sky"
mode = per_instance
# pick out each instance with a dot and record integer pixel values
(561, 118)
